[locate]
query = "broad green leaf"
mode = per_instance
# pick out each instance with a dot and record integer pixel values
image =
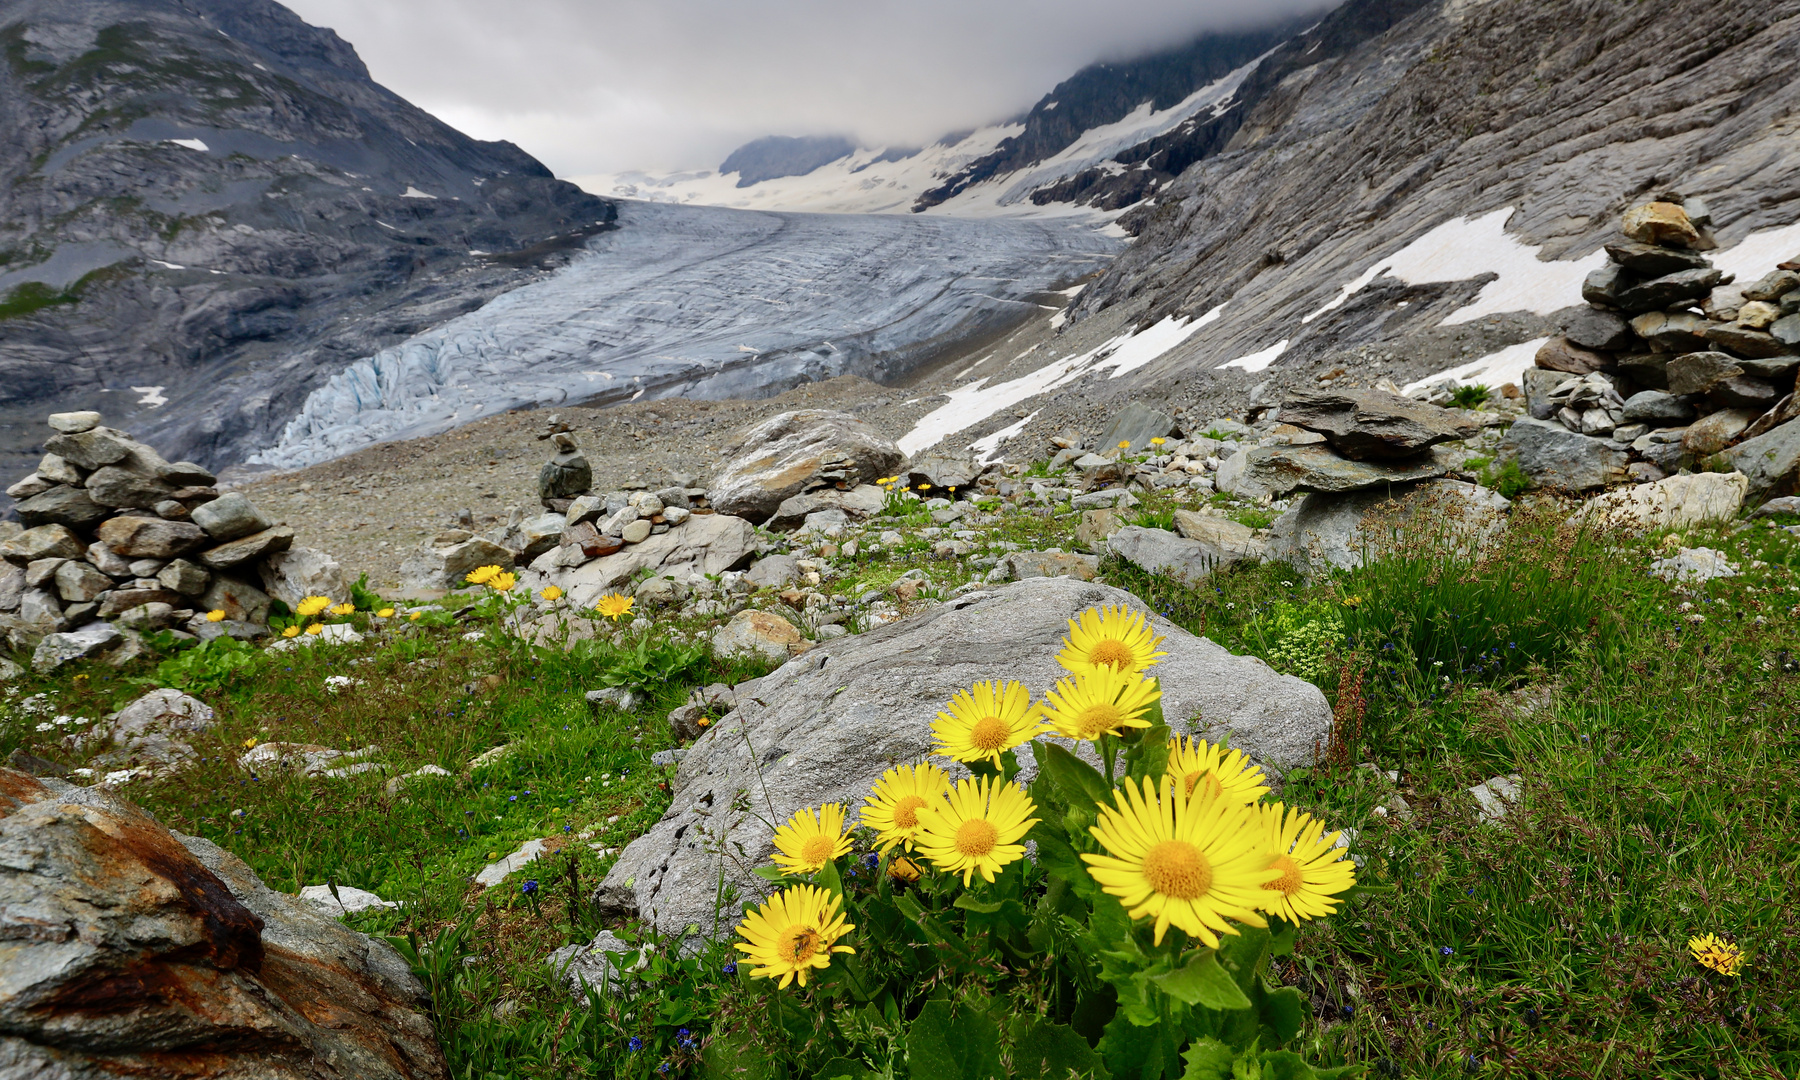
(1244, 954)
(933, 928)
(1080, 783)
(1281, 937)
(1052, 1051)
(963, 1044)
(827, 878)
(1150, 758)
(771, 873)
(1208, 1059)
(840, 1068)
(1284, 1010)
(1140, 1053)
(1201, 981)
(969, 903)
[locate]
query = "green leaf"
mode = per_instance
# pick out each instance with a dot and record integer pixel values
(827, 878)
(933, 929)
(1150, 757)
(1284, 1010)
(960, 1045)
(724, 1059)
(1281, 937)
(1140, 1053)
(1080, 783)
(1201, 981)
(842, 1068)
(968, 903)
(771, 873)
(1052, 1051)
(1056, 856)
(1208, 1059)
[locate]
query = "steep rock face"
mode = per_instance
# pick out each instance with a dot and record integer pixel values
(209, 207)
(1545, 119)
(779, 155)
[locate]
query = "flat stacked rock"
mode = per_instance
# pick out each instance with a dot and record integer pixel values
(1348, 441)
(114, 534)
(1670, 363)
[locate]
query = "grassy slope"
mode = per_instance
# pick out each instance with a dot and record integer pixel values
(1658, 757)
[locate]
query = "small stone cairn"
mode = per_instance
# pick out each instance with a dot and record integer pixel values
(1671, 362)
(117, 541)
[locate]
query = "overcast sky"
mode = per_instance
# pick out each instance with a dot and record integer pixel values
(597, 86)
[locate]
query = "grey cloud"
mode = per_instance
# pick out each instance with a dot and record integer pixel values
(603, 87)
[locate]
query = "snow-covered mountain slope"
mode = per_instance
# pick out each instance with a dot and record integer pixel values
(1077, 129)
(704, 302)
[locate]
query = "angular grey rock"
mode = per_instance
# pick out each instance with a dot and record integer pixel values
(1368, 425)
(1786, 330)
(1592, 328)
(1603, 286)
(41, 610)
(1747, 342)
(1787, 504)
(1234, 540)
(1744, 392)
(1669, 291)
(63, 505)
(12, 586)
(773, 572)
(73, 423)
(121, 488)
(795, 452)
(565, 476)
(1654, 260)
(43, 542)
(1693, 566)
(825, 725)
(1771, 461)
(60, 470)
(41, 573)
(757, 633)
(119, 601)
(336, 901)
(1658, 408)
(150, 538)
(1696, 373)
(1561, 354)
(1555, 457)
(1672, 331)
(1097, 471)
(1539, 383)
(35, 484)
(1333, 531)
(240, 600)
(585, 967)
(1772, 286)
(539, 534)
(636, 532)
(254, 983)
(1275, 471)
(1025, 565)
(1675, 502)
(1645, 369)
(186, 474)
(1495, 796)
(859, 502)
(447, 567)
(247, 548)
(1157, 551)
(184, 577)
(161, 712)
(93, 448)
(942, 472)
(77, 582)
(109, 563)
(299, 572)
(1136, 424)
(1770, 367)
(707, 544)
(55, 650)
(147, 617)
(229, 517)
(207, 630)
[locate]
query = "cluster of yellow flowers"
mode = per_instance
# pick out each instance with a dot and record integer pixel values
(1712, 951)
(493, 577)
(1194, 848)
(313, 606)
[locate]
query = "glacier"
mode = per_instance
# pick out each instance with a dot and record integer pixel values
(703, 302)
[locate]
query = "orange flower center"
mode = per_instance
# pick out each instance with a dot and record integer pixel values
(976, 837)
(906, 811)
(1179, 869)
(818, 849)
(1117, 654)
(1291, 880)
(989, 734)
(1208, 782)
(798, 944)
(1098, 719)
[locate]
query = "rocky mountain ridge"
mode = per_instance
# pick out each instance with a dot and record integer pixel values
(206, 206)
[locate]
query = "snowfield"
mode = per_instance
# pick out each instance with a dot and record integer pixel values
(702, 302)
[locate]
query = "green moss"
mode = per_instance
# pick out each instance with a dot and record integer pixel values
(32, 297)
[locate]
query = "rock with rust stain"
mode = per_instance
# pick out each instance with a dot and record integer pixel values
(139, 952)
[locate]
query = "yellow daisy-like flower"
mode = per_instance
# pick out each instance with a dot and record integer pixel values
(312, 605)
(414, 617)
(344, 609)
(793, 934)
(481, 575)
(613, 605)
(1189, 863)
(551, 592)
(1712, 951)
(807, 842)
(291, 631)
(385, 613)
(1099, 701)
(1124, 444)
(1313, 868)
(1210, 771)
(316, 628)
(250, 743)
(985, 721)
(503, 582)
(1113, 636)
(977, 828)
(892, 808)
(1158, 441)
(216, 615)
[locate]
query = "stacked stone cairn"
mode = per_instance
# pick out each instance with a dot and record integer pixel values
(117, 541)
(1670, 365)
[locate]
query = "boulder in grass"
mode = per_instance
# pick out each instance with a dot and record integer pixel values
(299, 572)
(1676, 502)
(55, 650)
(1368, 425)
(1555, 457)
(1770, 461)
(796, 452)
(448, 567)
(757, 633)
(825, 725)
(1158, 551)
(1326, 532)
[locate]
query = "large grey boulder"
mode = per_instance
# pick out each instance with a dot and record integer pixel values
(219, 975)
(1159, 551)
(55, 650)
(704, 544)
(1771, 462)
(447, 567)
(150, 538)
(1275, 471)
(1555, 457)
(1334, 531)
(1371, 425)
(62, 505)
(1135, 424)
(229, 517)
(862, 501)
(1674, 502)
(299, 572)
(796, 452)
(825, 725)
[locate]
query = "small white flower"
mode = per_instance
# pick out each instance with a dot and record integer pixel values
(335, 683)
(46, 727)
(473, 635)
(84, 773)
(118, 777)
(1696, 618)
(237, 813)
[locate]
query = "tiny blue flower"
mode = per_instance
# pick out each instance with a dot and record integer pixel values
(529, 887)
(635, 1044)
(1445, 950)
(512, 798)
(683, 1032)
(872, 859)
(730, 967)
